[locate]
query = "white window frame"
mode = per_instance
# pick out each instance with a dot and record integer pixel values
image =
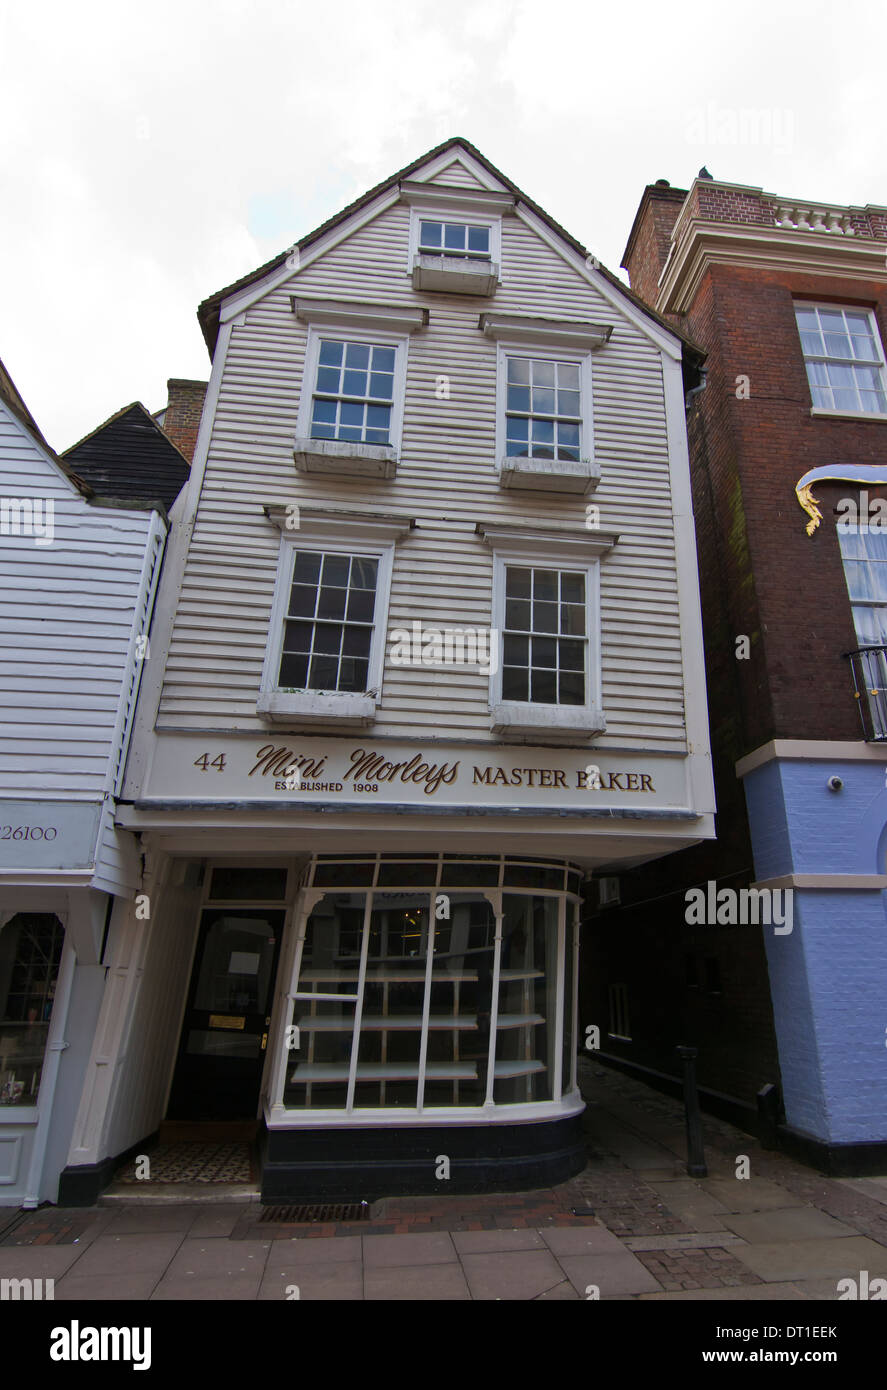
(524, 719)
(578, 358)
(860, 309)
(346, 334)
(465, 217)
(329, 706)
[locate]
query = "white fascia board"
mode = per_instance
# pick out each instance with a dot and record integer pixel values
(660, 337)
(250, 294)
(701, 779)
(703, 243)
(458, 155)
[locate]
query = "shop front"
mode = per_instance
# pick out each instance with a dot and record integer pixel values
(378, 978)
(424, 1020)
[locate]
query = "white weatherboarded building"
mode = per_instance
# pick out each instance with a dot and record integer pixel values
(79, 578)
(428, 651)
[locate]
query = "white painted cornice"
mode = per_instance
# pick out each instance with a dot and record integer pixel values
(704, 243)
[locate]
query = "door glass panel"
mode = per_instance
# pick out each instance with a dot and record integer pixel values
(461, 995)
(238, 957)
(525, 1031)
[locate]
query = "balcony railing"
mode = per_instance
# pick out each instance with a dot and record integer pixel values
(869, 667)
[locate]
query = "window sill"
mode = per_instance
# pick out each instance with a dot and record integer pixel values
(316, 707)
(822, 413)
(550, 475)
(556, 723)
(341, 458)
(463, 275)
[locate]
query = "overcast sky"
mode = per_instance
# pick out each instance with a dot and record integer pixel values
(153, 152)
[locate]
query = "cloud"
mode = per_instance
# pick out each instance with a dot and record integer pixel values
(153, 154)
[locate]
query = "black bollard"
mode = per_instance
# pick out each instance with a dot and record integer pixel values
(768, 1114)
(695, 1150)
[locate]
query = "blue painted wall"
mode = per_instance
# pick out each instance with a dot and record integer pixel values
(828, 977)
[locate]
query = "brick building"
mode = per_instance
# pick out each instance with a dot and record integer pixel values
(789, 460)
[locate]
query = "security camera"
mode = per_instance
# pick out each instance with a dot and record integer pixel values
(835, 784)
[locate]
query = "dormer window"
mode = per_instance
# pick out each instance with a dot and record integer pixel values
(454, 251)
(455, 239)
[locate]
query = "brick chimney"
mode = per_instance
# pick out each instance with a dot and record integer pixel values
(181, 419)
(650, 237)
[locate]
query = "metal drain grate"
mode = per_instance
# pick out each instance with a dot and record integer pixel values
(289, 1216)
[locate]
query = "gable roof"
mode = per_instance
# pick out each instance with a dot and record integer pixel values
(130, 458)
(208, 312)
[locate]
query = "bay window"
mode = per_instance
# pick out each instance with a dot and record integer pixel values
(414, 991)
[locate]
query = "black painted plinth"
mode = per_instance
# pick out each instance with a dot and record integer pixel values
(353, 1165)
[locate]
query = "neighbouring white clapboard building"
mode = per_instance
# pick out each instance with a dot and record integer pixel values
(79, 578)
(427, 652)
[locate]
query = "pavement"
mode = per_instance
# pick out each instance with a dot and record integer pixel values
(631, 1226)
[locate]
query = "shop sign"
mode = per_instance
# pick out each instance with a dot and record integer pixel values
(292, 769)
(48, 834)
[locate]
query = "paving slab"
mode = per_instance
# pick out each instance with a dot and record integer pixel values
(125, 1287)
(215, 1221)
(787, 1223)
(746, 1194)
(690, 1202)
(559, 1294)
(149, 1253)
(435, 1247)
(480, 1242)
(840, 1256)
(211, 1259)
(876, 1188)
(338, 1280)
(201, 1288)
(305, 1251)
(585, 1240)
(418, 1283)
(743, 1293)
(614, 1274)
(38, 1261)
(131, 1221)
(518, 1274)
(823, 1290)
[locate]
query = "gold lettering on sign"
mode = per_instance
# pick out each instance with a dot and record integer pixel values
(373, 767)
(617, 781)
(277, 762)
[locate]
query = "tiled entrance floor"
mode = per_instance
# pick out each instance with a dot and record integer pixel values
(193, 1161)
